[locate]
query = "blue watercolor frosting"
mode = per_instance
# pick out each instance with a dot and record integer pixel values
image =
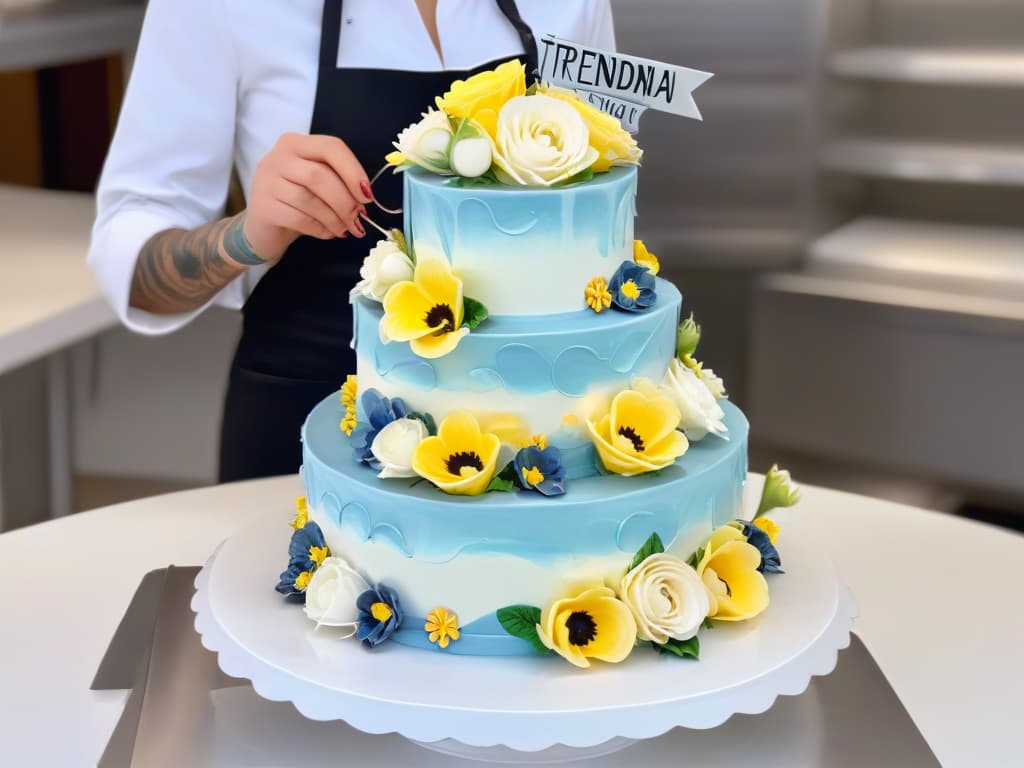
(571, 352)
(598, 515)
(552, 240)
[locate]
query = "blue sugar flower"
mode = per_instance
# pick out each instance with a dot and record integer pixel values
(379, 412)
(306, 551)
(632, 287)
(380, 614)
(770, 560)
(541, 470)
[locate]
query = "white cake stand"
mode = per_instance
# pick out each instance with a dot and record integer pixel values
(519, 709)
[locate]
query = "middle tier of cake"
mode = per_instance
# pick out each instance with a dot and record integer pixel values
(547, 373)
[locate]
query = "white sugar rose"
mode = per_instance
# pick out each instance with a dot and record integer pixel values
(427, 143)
(395, 445)
(385, 265)
(666, 597)
(332, 593)
(700, 413)
(541, 141)
(713, 382)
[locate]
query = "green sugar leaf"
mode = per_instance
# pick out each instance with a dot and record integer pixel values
(484, 180)
(399, 238)
(652, 546)
(499, 483)
(427, 419)
(681, 648)
(521, 621)
(473, 312)
(585, 175)
(694, 560)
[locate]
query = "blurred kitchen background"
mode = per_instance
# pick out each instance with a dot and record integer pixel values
(847, 225)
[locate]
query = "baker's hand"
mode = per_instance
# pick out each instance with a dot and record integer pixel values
(305, 185)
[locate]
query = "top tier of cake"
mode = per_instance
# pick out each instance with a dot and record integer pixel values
(524, 251)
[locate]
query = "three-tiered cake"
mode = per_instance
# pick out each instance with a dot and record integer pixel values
(529, 456)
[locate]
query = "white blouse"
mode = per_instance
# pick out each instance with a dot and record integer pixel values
(216, 82)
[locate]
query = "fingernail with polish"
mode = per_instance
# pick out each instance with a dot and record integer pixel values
(364, 186)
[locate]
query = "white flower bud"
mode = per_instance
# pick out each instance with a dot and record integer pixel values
(395, 445)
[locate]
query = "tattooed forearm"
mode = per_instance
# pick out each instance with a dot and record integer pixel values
(178, 270)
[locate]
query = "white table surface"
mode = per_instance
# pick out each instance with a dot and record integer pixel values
(48, 297)
(939, 603)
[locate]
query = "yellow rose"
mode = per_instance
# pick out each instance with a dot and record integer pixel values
(482, 96)
(593, 625)
(736, 589)
(614, 144)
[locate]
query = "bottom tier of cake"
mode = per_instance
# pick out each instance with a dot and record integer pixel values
(473, 555)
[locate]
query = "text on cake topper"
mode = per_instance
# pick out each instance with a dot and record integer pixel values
(623, 86)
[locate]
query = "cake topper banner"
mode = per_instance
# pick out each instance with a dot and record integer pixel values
(621, 85)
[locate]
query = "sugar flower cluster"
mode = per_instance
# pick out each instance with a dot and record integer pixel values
(492, 128)
(662, 600)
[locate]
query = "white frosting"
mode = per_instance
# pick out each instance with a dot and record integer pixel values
(476, 585)
(542, 413)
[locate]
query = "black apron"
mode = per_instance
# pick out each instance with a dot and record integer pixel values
(297, 323)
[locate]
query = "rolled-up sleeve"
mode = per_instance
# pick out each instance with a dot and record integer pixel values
(170, 161)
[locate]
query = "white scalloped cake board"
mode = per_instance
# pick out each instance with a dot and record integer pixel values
(523, 703)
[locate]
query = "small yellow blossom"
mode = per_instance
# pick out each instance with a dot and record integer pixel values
(442, 626)
(349, 423)
(541, 441)
(318, 555)
(302, 580)
(570, 420)
(769, 526)
(645, 258)
(597, 294)
(301, 513)
(349, 391)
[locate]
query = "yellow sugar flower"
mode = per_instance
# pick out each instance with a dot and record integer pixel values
(541, 441)
(301, 513)
(769, 526)
(481, 97)
(349, 390)
(645, 258)
(592, 625)
(426, 311)
(639, 433)
(597, 295)
(736, 589)
(460, 459)
(349, 422)
(613, 143)
(442, 626)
